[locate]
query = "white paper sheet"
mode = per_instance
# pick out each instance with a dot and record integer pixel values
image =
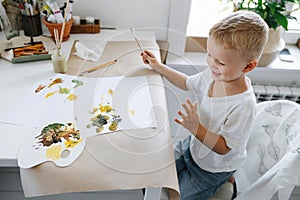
(89, 51)
(35, 110)
(129, 98)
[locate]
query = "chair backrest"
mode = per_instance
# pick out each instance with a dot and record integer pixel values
(273, 144)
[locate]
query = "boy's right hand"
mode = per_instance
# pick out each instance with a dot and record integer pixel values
(175, 77)
(149, 58)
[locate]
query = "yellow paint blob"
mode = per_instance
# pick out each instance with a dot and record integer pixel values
(53, 152)
(98, 130)
(131, 112)
(72, 97)
(105, 108)
(110, 91)
(50, 94)
(72, 143)
(113, 126)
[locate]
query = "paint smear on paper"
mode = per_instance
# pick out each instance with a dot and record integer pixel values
(39, 88)
(50, 94)
(72, 97)
(131, 112)
(55, 81)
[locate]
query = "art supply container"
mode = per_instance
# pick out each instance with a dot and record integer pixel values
(59, 61)
(32, 25)
(58, 26)
(10, 26)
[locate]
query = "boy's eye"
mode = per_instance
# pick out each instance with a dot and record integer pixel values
(220, 63)
(217, 61)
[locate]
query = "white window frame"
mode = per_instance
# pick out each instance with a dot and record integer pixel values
(178, 24)
(178, 20)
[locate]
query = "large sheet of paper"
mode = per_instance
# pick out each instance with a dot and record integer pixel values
(66, 98)
(93, 106)
(126, 159)
(129, 159)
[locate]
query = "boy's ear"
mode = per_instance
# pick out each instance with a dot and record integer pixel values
(250, 65)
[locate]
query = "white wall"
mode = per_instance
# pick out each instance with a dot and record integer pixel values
(167, 18)
(152, 14)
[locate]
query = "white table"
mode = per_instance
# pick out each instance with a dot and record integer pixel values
(16, 79)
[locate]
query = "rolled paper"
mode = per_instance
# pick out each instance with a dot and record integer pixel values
(76, 20)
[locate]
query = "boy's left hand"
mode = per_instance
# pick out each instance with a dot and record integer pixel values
(190, 120)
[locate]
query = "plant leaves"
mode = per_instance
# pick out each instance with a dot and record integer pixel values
(281, 19)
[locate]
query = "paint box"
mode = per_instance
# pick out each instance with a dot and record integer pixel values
(84, 27)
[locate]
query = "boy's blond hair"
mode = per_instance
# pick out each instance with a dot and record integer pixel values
(244, 31)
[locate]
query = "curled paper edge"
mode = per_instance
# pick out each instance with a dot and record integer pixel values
(85, 53)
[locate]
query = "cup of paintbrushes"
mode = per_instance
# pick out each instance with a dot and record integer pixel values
(59, 61)
(59, 27)
(32, 25)
(58, 58)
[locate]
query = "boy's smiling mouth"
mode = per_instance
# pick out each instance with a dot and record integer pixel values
(215, 73)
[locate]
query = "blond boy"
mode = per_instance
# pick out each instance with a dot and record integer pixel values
(221, 118)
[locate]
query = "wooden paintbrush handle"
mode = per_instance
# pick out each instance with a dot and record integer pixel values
(99, 67)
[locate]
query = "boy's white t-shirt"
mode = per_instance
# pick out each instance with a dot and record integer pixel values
(230, 116)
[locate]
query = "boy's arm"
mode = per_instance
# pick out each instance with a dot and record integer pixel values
(190, 121)
(175, 77)
(213, 141)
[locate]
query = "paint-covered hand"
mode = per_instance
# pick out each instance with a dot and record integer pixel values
(189, 120)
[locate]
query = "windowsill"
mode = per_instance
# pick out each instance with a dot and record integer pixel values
(278, 71)
(199, 59)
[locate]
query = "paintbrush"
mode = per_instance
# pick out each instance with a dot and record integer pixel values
(104, 64)
(97, 67)
(137, 41)
(63, 25)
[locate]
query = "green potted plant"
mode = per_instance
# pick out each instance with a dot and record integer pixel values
(276, 14)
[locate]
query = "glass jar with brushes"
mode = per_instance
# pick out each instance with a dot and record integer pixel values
(59, 61)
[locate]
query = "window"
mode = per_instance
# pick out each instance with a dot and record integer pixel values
(294, 24)
(205, 13)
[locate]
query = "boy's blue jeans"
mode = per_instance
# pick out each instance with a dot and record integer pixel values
(194, 182)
